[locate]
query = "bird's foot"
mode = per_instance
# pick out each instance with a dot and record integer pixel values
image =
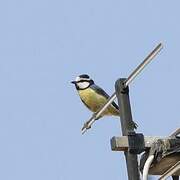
(86, 125)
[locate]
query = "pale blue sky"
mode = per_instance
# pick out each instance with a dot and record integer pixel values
(44, 45)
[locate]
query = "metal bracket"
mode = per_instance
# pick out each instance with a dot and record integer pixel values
(136, 143)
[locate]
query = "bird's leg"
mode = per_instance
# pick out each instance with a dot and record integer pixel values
(87, 125)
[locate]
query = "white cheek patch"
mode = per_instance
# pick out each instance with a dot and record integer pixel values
(83, 85)
(77, 79)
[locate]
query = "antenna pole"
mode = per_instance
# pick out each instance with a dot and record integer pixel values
(122, 93)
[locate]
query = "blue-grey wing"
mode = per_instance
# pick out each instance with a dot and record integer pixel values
(103, 93)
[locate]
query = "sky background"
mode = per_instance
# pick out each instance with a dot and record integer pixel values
(44, 44)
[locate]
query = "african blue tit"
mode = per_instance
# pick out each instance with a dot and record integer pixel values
(93, 96)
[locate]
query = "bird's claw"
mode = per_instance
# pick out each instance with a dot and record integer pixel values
(86, 126)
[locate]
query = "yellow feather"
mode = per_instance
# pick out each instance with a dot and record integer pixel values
(95, 101)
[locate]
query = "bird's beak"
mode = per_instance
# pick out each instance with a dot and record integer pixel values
(73, 82)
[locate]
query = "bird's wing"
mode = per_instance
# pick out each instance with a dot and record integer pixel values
(100, 91)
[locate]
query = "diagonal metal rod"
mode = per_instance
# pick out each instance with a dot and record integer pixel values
(141, 66)
(170, 171)
(131, 77)
(95, 115)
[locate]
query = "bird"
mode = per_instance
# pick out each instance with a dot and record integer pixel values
(94, 97)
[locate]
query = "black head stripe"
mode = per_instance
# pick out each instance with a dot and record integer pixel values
(84, 80)
(84, 76)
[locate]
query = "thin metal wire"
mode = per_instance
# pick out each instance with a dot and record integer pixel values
(130, 78)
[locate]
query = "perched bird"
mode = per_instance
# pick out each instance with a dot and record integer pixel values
(93, 96)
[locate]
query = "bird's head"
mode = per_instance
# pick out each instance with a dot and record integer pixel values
(82, 82)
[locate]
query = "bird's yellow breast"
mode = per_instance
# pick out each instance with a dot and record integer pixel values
(95, 101)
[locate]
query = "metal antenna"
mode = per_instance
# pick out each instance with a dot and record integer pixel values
(130, 78)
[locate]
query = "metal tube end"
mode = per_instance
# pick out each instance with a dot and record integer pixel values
(83, 131)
